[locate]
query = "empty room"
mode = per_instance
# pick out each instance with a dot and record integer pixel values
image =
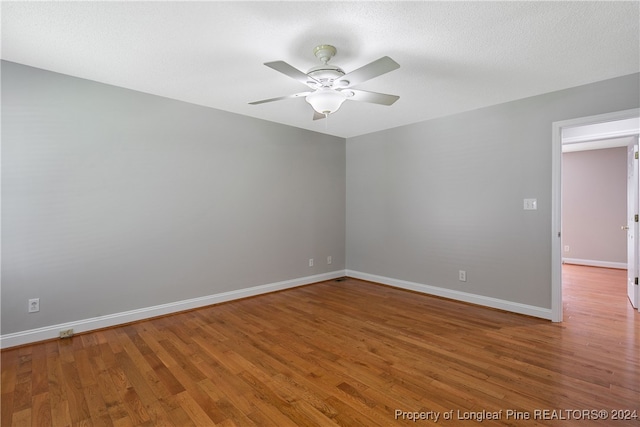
(320, 213)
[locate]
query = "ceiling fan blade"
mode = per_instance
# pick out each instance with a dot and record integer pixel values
(369, 71)
(318, 116)
(292, 72)
(295, 95)
(373, 97)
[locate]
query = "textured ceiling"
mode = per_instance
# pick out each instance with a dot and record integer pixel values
(453, 56)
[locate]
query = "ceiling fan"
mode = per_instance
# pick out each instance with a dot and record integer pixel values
(329, 84)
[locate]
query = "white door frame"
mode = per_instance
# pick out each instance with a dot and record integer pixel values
(556, 197)
(631, 225)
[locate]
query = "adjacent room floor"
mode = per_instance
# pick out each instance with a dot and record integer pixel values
(348, 353)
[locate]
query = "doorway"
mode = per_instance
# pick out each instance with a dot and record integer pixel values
(585, 130)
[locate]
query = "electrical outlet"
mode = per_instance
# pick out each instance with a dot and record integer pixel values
(34, 305)
(329, 260)
(66, 333)
(566, 248)
(310, 262)
(462, 276)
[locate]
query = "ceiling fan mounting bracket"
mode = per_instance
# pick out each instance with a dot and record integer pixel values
(324, 52)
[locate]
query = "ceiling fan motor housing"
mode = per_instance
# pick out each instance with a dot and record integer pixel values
(325, 74)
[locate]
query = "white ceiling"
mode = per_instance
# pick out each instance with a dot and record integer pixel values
(453, 56)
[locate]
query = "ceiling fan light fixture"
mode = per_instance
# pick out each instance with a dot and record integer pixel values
(326, 101)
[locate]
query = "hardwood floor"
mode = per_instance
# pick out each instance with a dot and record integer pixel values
(348, 353)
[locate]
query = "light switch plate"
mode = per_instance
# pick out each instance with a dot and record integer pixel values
(530, 204)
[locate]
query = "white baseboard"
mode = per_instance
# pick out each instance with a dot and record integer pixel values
(515, 307)
(595, 263)
(85, 325)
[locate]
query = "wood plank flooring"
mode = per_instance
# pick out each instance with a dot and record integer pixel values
(347, 353)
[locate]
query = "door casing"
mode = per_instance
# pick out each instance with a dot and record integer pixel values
(556, 196)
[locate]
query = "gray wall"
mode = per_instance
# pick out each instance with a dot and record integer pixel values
(432, 198)
(114, 200)
(594, 205)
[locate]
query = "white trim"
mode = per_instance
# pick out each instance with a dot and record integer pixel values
(556, 223)
(603, 131)
(595, 145)
(85, 325)
(595, 263)
(515, 307)
(602, 118)
(556, 196)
